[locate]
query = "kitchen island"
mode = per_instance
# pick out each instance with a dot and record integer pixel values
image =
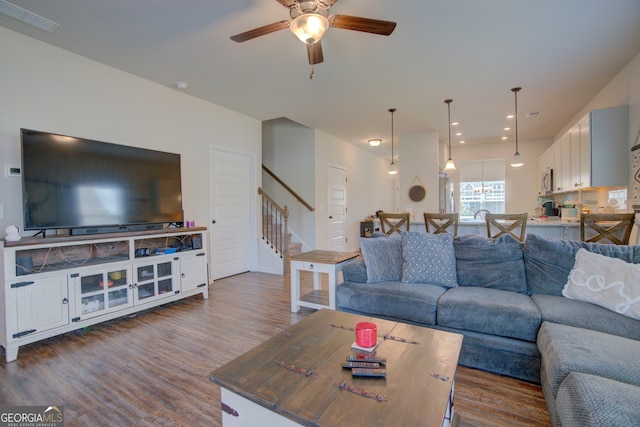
(555, 229)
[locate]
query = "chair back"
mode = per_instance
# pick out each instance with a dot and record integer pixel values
(606, 228)
(499, 224)
(441, 223)
(393, 222)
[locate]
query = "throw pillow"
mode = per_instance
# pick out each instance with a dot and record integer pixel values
(428, 258)
(608, 282)
(495, 263)
(382, 257)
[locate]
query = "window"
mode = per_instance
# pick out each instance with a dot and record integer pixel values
(482, 186)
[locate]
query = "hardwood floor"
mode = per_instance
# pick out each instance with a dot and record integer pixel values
(152, 369)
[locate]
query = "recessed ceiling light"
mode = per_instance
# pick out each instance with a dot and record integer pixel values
(510, 116)
(27, 17)
(504, 137)
(462, 142)
(458, 133)
(507, 128)
(455, 124)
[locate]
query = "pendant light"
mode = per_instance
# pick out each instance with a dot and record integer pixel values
(449, 166)
(516, 162)
(393, 169)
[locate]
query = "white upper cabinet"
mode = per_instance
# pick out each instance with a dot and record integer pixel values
(593, 153)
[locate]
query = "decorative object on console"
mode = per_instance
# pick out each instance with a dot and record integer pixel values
(393, 169)
(517, 161)
(449, 166)
(13, 233)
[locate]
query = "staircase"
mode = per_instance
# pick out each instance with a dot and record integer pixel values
(275, 228)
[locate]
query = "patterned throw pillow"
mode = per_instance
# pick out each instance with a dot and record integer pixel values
(608, 282)
(429, 258)
(382, 257)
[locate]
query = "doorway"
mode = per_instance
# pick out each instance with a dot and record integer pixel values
(337, 203)
(230, 207)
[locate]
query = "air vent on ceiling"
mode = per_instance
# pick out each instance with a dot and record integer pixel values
(533, 114)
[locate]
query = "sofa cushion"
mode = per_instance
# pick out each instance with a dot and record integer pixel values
(382, 257)
(355, 271)
(395, 300)
(548, 261)
(490, 311)
(589, 400)
(428, 258)
(565, 349)
(608, 282)
(585, 315)
(490, 263)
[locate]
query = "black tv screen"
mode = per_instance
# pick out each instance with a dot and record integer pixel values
(70, 182)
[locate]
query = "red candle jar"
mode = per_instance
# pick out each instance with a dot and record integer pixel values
(366, 334)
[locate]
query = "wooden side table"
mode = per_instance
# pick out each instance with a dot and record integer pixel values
(329, 262)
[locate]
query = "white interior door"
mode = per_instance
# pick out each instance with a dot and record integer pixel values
(230, 200)
(337, 202)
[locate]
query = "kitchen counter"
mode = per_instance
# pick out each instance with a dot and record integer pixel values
(550, 228)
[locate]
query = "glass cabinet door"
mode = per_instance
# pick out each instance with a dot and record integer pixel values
(101, 292)
(156, 279)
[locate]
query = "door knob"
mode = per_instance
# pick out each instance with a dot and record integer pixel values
(213, 221)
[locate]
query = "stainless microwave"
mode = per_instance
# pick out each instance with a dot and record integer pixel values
(547, 180)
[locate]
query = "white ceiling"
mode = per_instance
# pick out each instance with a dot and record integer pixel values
(474, 51)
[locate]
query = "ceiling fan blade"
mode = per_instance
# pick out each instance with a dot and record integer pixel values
(366, 25)
(314, 52)
(287, 3)
(260, 31)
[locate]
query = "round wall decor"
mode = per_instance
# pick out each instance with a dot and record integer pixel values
(417, 192)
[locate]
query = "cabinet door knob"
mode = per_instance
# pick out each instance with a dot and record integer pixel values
(65, 301)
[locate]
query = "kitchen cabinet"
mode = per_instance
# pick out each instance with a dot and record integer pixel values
(593, 153)
(565, 164)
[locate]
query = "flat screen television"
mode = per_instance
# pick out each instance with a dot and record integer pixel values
(90, 186)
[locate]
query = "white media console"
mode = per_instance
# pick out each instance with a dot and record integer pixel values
(59, 284)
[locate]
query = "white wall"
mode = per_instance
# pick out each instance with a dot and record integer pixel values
(418, 165)
(369, 186)
(50, 89)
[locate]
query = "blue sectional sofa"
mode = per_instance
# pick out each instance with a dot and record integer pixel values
(506, 298)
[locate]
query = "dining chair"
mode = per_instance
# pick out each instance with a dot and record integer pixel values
(441, 223)
(500, 224)
(393, 222)
(606, 228)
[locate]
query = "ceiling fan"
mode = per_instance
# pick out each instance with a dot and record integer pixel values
(309, 21)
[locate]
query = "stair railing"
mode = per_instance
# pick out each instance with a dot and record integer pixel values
(275, 227)
(289, 189)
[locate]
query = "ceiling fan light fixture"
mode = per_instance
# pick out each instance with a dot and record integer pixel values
(309, 27)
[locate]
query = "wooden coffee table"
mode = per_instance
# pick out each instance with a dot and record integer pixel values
(318, 261)
(296, 378)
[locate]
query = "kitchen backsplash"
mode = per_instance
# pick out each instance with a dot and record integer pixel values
(597, 200)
